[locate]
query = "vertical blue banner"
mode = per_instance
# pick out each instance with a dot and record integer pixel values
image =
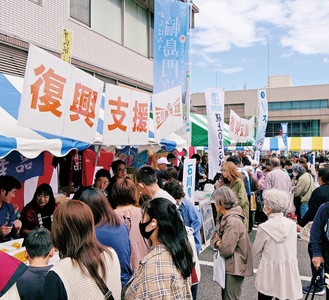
(262, 119)
(171, 45)
(284, 127)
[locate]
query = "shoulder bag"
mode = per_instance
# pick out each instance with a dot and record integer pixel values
(103, 287)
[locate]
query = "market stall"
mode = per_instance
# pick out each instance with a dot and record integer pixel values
(199, 136)
(28, 143)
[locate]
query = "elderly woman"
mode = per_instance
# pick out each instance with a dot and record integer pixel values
(276, 243)
(302, 187)
(232, 241)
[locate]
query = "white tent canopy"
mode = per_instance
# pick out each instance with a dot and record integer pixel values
(29, 143)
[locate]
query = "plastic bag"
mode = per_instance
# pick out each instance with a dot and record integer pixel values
(219, 269)
(305, 232)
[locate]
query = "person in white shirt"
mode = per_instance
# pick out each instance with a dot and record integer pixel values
(148, 186)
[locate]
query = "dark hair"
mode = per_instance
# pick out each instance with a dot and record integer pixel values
(196, 156)
(288, 162)
(324, 174)
(282, 162)
(171, 233)
(234, 159)
(73, 234)
(38, 243)
(8, 183)
(115, 164)
(169, 173)
(146, 174)
(174, 188)
(303, 162)
(124, 192)
(46, 190)
(102, 211)
(265, 168)
(103, 173)
(246, 161)
(170, 156)
(265, 160)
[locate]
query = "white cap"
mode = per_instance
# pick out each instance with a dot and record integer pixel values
(163, 160)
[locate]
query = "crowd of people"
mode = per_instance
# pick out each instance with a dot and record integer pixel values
(121, 239)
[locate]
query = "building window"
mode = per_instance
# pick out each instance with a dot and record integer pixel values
(151, 34)
(106, 18)
(136, 27)
(80, 10)
(298, 105)
(123, 21)
(295, 128)
(38, 2)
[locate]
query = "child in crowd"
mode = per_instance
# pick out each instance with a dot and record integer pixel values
(39, 250)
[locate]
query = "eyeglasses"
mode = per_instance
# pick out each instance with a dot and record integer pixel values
(121, 170)
(102, 182)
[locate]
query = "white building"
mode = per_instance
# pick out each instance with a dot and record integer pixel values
(112, 39)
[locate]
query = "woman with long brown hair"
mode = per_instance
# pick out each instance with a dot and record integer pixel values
(233, 178)
(85, 264)
(110, 230)
(124, 195)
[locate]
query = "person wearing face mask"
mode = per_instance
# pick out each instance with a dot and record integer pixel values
(276, 244)
(232, 241)
(302, 187)
(165, 272)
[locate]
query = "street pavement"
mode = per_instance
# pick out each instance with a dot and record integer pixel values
(209, 290)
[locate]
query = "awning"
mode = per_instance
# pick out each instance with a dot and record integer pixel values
(273, 144)
(296, 144)
(199, 136)
(28, 142)
(171, 142)
(308, 143)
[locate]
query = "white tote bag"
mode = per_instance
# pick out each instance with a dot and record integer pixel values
(219, 269)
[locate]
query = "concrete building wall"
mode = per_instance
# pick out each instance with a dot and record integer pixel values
(245, 102)
(43, 25)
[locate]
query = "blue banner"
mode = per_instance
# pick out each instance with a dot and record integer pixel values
(171, 45)
(21, 168)
(284, 127)
(262, 119)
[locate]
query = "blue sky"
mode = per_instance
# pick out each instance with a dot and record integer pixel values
(240, 42)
